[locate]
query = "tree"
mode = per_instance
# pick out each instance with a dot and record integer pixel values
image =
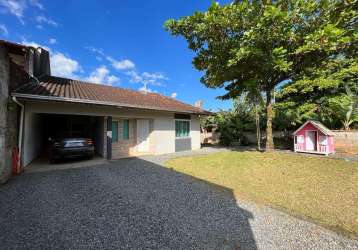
(264, 43)
(330, 96)
(253, 100)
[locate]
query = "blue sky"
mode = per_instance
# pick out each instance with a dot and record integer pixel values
(121, 43)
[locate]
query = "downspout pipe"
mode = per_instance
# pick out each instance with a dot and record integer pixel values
(19, 144)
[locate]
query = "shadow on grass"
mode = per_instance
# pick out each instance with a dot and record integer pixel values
(129, 203)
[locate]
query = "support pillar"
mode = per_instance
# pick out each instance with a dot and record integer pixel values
(109, 137)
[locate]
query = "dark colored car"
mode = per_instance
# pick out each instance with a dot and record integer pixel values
(71, 148)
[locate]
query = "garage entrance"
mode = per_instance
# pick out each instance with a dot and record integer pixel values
(41, 129)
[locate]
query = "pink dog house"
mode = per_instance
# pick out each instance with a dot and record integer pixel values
(314, 137)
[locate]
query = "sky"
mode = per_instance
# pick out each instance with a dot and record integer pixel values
(119, 43)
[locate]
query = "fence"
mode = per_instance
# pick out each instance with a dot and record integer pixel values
(346, 141)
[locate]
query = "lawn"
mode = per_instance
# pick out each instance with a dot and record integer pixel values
(317, 188)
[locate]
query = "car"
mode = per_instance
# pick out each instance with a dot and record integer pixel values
(70, 148)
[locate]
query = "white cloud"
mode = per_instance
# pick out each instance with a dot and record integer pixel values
(173, 95)
(3, 30)
(101, 75)
(42, 19)
(34, 44)
(134, 77)
(14, 7)
(64, 66)
(125, 64)
(95, 50)
(37, 4)
(154, 76)
(52, 41)
(18, 7)
(112, 79)
(121, 65)
(146, 78)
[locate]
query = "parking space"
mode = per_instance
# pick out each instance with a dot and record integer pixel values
(42, 131)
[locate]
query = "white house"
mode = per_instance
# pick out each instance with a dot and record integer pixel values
(121, 122)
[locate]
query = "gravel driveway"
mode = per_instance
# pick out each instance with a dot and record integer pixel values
(137, 204)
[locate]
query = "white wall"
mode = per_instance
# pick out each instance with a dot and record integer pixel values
(32, 137)
(195, 132)
(164, 134)
(91, 110)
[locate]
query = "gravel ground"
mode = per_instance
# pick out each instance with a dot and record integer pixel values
(137, 204)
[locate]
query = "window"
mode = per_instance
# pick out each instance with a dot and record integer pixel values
(323, 140)
(125, 129)
(300, 139)
(182, 128)
(114, 131)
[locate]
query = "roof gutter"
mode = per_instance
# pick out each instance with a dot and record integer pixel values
(86, 101)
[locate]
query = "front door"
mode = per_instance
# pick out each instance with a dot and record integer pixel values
(142, 135)
(310, 140)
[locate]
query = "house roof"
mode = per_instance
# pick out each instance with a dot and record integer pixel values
(318, 125)
(67, 90)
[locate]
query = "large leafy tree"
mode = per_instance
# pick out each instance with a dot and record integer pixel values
(330, 96)
(263, 43)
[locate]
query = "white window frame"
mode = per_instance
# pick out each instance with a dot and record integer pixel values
(323, 142)
(186, 120)
(300, 139)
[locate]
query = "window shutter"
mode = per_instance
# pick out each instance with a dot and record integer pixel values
(126, 130)
(114, 131)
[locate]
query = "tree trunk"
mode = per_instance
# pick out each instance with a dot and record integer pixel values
(269, 114)
(258, 132)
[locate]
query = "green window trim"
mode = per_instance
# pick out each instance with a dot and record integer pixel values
(125, 129)
(114, 131)
(182, 128)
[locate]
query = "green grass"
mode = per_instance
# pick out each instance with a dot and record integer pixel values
(318, 188)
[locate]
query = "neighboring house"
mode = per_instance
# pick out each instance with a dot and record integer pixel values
(121, 122)
(314, 137)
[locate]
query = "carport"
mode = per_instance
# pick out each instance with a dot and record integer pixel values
(42, 125)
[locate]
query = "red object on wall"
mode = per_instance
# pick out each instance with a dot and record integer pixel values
(16, 167)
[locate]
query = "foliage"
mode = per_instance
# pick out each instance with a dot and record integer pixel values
(233, 123)
(228, 124)
(331, 97)
(260, 44)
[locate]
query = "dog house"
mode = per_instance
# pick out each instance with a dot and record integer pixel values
(314, 137)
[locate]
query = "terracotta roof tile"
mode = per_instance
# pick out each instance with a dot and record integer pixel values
(64, 89)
